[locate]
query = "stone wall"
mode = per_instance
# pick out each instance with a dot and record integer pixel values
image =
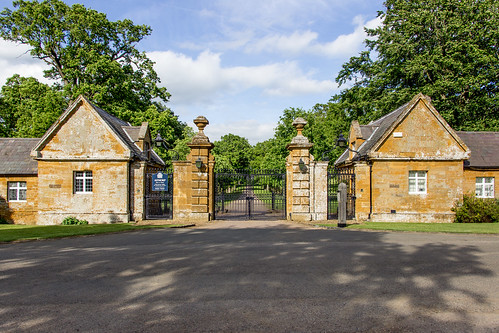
(107, 203)
(362, 191)
(470, 180)
(392, 201)
(20, 212)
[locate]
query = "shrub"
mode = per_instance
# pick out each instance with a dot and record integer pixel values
(3, 220)
(476, 210)
(71, 220)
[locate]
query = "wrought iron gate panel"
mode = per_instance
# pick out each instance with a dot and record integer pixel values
(250, 194)
(334, 178)
(159, 204)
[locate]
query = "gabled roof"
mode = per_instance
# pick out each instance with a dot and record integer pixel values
(375, 129)
(15, 156)
(116, 125)
(484, 148)
(376, 132)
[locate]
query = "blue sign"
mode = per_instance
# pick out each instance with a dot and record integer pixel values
(160, 182)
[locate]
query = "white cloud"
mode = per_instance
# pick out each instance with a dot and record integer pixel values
(350, 43)
(201, 80)
(307, 42)
(15, 59)
(252, 130)
(269, 14)
(295, 43)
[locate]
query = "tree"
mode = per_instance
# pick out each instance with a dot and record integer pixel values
(232, 152)
(324, 123)
(28, 108)
(446, 49)
(90, 55)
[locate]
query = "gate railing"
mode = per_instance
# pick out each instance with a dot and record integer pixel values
(250, 194)
(159, 195)
(334, 178)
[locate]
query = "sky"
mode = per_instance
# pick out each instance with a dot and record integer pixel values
(239, 63)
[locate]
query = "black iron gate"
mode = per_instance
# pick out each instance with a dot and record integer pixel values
(334, 178)
(250, 194)
(159, 194)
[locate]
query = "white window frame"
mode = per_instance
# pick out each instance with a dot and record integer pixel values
(17, 186)
(83, 182)
(417, 178)
(484, 187)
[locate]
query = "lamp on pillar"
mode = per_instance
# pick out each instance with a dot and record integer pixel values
(199, 163)
(302, 166)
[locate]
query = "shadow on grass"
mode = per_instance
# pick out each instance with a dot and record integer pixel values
(252, 279)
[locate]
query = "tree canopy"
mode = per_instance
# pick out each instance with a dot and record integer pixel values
(28, 108)
(232, 152)
(445, 49)
(324, 123)
(90, 55)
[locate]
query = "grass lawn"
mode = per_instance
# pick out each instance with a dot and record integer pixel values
(266, 197)
(472, 228)
(13, 232)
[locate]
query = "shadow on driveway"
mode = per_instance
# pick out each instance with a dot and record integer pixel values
(277, 278)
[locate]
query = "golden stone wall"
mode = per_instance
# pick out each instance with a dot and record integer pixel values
(20, 212)
(470, 180)
(107, 203)
(390, 191)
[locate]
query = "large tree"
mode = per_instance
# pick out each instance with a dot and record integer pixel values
(91, 55)
(28, 107)
(232, 152)
(324, 123)
(446, 49)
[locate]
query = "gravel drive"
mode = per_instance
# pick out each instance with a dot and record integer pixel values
(234, 276)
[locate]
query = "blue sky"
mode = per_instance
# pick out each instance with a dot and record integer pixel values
(238, 63)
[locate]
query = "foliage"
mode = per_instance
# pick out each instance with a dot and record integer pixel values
(28, 107)
(88, 54)
(476, 210)
(180, 145)
(324, 123)
(5, 211)
(445, 49)
(70, 220)
(232, 152)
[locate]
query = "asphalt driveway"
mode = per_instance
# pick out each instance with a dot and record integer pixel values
(251, 276)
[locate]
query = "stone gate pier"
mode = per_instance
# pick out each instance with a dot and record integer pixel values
(306, 180)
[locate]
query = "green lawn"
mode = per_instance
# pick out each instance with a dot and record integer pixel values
(473, 228)
(266, 196)
(13, 232)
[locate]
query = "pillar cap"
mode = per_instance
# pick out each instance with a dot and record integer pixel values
(300, 140)
(200, 138)
(299, 123)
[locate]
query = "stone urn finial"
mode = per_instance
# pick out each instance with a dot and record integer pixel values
(200, 138)
(201, 123)
(299, 124)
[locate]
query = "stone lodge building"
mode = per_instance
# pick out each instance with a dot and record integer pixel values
(410, 165)
(89, 165)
